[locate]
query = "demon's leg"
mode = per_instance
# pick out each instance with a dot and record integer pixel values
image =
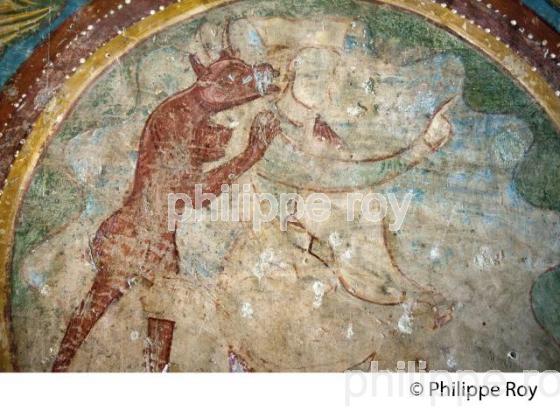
(105, 290)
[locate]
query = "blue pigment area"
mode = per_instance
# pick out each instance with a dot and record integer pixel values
(18, 51)
(546, 11)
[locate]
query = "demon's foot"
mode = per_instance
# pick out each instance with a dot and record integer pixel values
(158, 344)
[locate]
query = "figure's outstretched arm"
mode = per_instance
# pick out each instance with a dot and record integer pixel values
(343, 176)
(437, 133)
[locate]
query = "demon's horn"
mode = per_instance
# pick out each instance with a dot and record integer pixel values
(226, 53)
(197, 66)
(226, 42)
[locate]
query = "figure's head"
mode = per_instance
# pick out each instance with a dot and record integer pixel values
(229, 81)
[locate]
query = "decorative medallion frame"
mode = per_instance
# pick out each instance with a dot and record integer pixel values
(450, 15)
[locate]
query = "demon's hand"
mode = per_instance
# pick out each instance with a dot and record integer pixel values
(263, 130)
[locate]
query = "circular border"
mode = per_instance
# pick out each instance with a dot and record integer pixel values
(58, 107)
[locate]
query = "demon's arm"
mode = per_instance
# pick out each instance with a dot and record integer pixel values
(263, 130)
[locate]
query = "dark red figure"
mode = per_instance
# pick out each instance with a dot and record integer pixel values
(178, 138)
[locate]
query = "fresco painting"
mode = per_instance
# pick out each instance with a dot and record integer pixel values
(341, 99)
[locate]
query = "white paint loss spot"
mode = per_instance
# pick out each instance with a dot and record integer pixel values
(263, 80)
(247, 310)
(263, 264)
(319, 292)
(406, 320)
(134, 335)
(347, 255)
(355, 110)
(451, 362)
(435, 253)
(334, 239)
(487, 258)
(267, 262)
(349, 332)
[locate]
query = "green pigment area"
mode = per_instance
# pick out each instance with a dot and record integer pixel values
(488, 90)
(546, 302)
(51, 201)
